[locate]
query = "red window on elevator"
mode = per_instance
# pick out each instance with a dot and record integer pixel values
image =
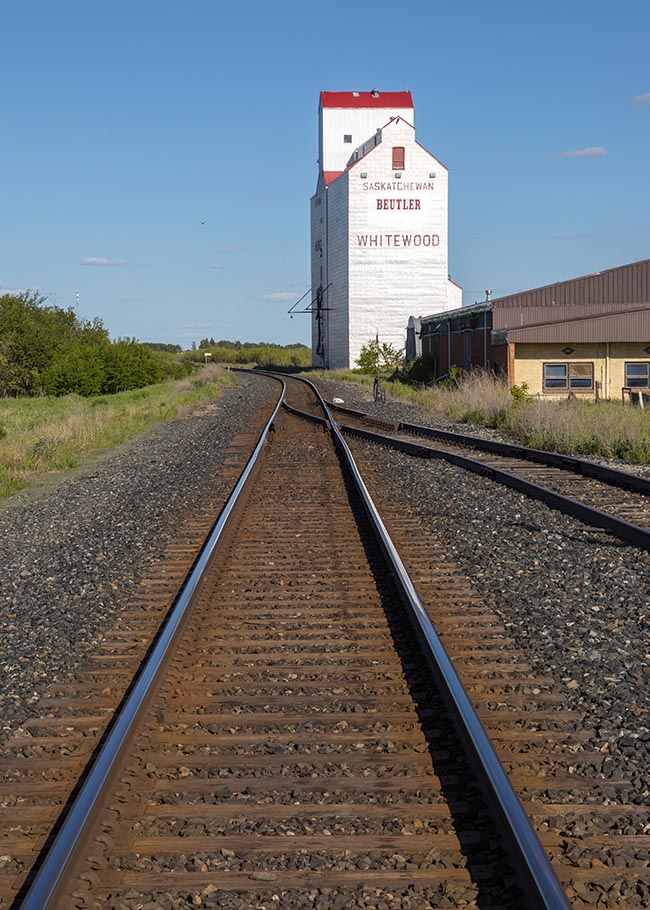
(398, 157)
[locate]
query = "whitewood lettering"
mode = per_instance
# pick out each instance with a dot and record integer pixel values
(394, 240)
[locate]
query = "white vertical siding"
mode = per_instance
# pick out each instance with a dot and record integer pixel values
(455, 296)
(397, 240)
(360, 123)
(384, 236)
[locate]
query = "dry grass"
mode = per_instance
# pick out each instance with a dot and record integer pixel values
(609, 429)
(40, 436)
(479, 399)
(580, 427)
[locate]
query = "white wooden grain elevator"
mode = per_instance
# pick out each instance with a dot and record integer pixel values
(379, 238)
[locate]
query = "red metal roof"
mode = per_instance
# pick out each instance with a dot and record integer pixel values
(366, 99)
(328, 176)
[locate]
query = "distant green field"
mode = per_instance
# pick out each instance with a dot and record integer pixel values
(40, 436)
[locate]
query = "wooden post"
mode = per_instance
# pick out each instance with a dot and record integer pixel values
(511, 363)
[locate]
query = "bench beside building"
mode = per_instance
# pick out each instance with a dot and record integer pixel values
(588, 336)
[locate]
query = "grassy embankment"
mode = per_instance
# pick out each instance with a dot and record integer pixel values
(579, 427)
(39, 436)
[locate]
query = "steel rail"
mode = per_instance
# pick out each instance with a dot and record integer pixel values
(604, 473)
(534, 869)
(106, 765)
(588, 514)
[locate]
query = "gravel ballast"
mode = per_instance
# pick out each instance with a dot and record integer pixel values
(574, 598)
(72, 555)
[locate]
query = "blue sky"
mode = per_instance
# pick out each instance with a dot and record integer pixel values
(124, 125)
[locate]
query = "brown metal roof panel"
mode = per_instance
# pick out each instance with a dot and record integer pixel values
(517, 317)
(624, 284)
(634, 326)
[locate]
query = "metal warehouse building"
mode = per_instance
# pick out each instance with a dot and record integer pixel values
(587, 336)
(379, 247)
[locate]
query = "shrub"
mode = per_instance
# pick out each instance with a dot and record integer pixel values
(129, 365)
(420, 370)
(379, 357)
(519, 393)
(79, 370)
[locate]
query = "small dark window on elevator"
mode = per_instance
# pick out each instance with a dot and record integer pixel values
(347, 137)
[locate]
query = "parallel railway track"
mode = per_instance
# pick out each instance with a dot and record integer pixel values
(296, 750)
(615, 500)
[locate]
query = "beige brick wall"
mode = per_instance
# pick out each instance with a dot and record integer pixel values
(609, 361)
(622, 353)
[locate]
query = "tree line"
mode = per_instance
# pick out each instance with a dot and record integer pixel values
(266, 354)
(46, 350)
(207, 343)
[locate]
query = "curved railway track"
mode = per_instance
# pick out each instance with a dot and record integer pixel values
(295, 748)
(615, 500)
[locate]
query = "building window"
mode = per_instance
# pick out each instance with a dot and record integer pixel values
(347, 137)
(637, 375)
(398, 157)
(568, 376)
(555, 376)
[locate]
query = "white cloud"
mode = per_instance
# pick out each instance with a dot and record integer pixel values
(279, 297)
(99, 260)
(230, 249)
(596, 151)
(197, 325)
(217, 266)
(641, 99)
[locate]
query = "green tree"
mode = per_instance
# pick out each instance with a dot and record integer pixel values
(129, 365)
(379, 357)
(79, 370)
(163, 347)
(45, 349)
(33, 337)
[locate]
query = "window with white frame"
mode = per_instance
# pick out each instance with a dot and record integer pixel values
(637, 375)
(568, 376)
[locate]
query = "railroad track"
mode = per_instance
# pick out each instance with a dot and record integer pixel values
(294, 749)
(605, 497)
